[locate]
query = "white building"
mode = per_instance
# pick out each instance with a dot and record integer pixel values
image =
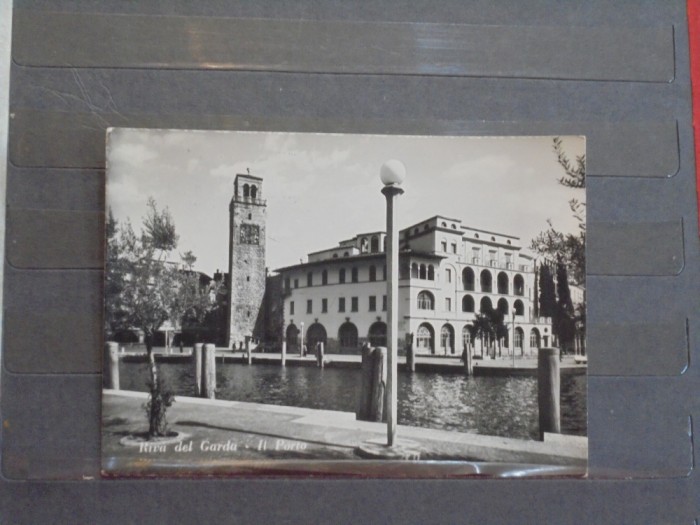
(448, 272)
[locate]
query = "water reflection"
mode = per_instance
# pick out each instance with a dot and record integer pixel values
(499, 406)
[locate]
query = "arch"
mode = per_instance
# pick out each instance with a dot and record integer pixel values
(335, 255)
(354, 274)
(468, 279)
(518, 285)
(414, 271)
(486, 281)
(416, 231)
(364, 245)
(443, 224)
(447, 339)
(431, 272)
(518, 337)
(246, 191)
(467, 303)
(377, 334)
(254, 192)
(426, 301)
(534, 338)
(374, 244)
(518, 307)
(324, 277)
(315, 334)
(467, 336)
(341, 275)
(292, 337)
(422, 271)
(404, 271)
(502, 306)
(425, 338)
(372, 273)
(384, 272)
(502, 283)
(485, 305)
(347, 335)
(346, 254)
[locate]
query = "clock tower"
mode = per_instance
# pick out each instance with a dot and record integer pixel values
(246, 263)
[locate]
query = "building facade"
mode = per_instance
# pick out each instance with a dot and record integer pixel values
(448, 273)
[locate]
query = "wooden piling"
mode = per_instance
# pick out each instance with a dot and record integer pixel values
(548, 391)
(372, 396)
(197, 366)
(468, 363)
(110, 376)
(319, 354)
(284, 353)
(249, 355)
(410, 358)
(209, 375)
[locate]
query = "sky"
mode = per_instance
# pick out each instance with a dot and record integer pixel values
(324, 188)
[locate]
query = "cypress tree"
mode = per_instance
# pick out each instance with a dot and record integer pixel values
(548, 300)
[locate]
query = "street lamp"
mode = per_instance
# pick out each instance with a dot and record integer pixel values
(392, 174)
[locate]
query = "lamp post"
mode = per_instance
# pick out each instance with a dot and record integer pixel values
(301, 345)
(392, 174)
(512, 347)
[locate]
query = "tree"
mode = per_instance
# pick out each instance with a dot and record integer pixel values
(482, 328)
(499, 330)
(568, 248)
(564, 319)
(151, 290)
(547, 295)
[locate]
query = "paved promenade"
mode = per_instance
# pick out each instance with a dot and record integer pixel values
(222, 437)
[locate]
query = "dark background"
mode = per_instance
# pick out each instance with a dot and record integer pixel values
(616, 72)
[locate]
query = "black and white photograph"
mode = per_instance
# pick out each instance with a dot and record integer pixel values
(349, 304)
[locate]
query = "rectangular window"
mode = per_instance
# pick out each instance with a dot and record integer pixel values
(354, 275)
(296, 283)
(454, 247)
(287, 284)
(448, 274)
(384, 303)
(324, 277)
(372, 303)
(310, 279)
(309, 306)
(324, 306)
(341, 304)
(291, 307)
(444, 246)
(341, 276)
(353, 304)
(448, 304)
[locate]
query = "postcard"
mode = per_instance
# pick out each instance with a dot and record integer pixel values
(344, 304)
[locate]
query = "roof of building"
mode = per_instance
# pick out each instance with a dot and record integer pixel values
(360, 257)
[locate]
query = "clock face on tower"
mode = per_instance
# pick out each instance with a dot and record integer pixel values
(250, 234)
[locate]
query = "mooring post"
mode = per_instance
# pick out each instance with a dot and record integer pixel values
(110, 375)
(319, 354)
(209, 379)
(377, 411)
(410, 355)
(197, 365)
(467, 358)
(249, 355)
(284, 353)
(362, 411)
(548, 390)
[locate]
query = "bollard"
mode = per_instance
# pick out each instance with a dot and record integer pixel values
(249, 355)
(319, 354)
(197, 365)
(209, 375)
(467, 358)
(284, 353)
(110, 375)
(548, 390)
